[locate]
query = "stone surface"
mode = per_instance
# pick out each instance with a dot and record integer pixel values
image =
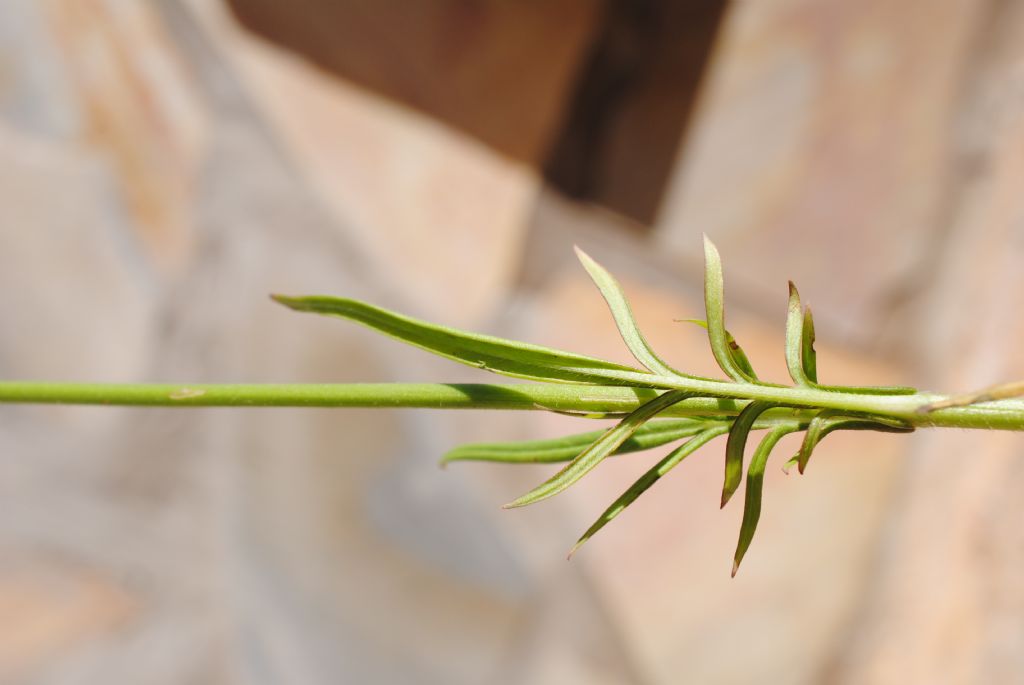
(498, 71)
(74, 285)
(47, 607)
(138, 108)
(257, 547)
(430, 205)
(35, 96)
(824, 130)
(319, 546)
(947, 586)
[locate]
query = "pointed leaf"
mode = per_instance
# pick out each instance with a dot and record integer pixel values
(818, 428)
(648, 479)
(714, 305)
(583, 414)
(796, 341)
(654, 433)
(755, 485)
(508, 357)
(735, 445)
(738, 355)
(808, 357)
(609, 441)
(869, 389)
(809, 363)
(829, 420)
(623, 315)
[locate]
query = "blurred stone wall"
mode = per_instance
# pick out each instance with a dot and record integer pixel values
(164, 170)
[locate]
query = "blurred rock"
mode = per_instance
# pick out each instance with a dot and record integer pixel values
(35, 97)
(75, 288)
(183, 170)
(945, 603)
(47, 607)
(823, 130)
(499, 71)
(139, 109)
(429, 206)
(632, 102)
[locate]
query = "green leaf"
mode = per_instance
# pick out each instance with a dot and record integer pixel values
(654, 433)
(797, 342)
(583, 414)
(820, 426)
(755, 485)
(507, 357)
(869, 389)
(830, 420)
(623, 315)
(735, 445)
(648, 479)
(739, 357)
(714, 305)
(809, 362)
(605, 445)
(808, 357)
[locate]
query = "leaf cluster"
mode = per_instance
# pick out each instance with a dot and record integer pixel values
(646, 427)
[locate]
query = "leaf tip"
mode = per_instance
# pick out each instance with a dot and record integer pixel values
(726, 496)
(290, 302)
(735, 568)
(709, 247)
(538, 494)
(588, 262)
(455, 454)
(528, 498)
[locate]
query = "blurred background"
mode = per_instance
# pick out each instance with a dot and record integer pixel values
(164, 164)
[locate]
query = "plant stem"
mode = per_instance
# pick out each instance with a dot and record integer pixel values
(1000, 415)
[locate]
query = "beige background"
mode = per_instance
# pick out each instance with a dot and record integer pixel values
(163, 169)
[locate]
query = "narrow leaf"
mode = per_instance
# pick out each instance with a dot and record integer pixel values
(828, 420)
(738, 355)
(808, 357)
(818, 428)
(755, 485)
(796, 341)
(508, 357)
(606, 444)
(809, 363)
(582, 414)
(735, 445)
(869, 389)
(623, 315)
(654, 433)
(648, 479)
(714, 305)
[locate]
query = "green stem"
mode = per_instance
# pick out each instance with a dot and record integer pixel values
(1000, 415)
